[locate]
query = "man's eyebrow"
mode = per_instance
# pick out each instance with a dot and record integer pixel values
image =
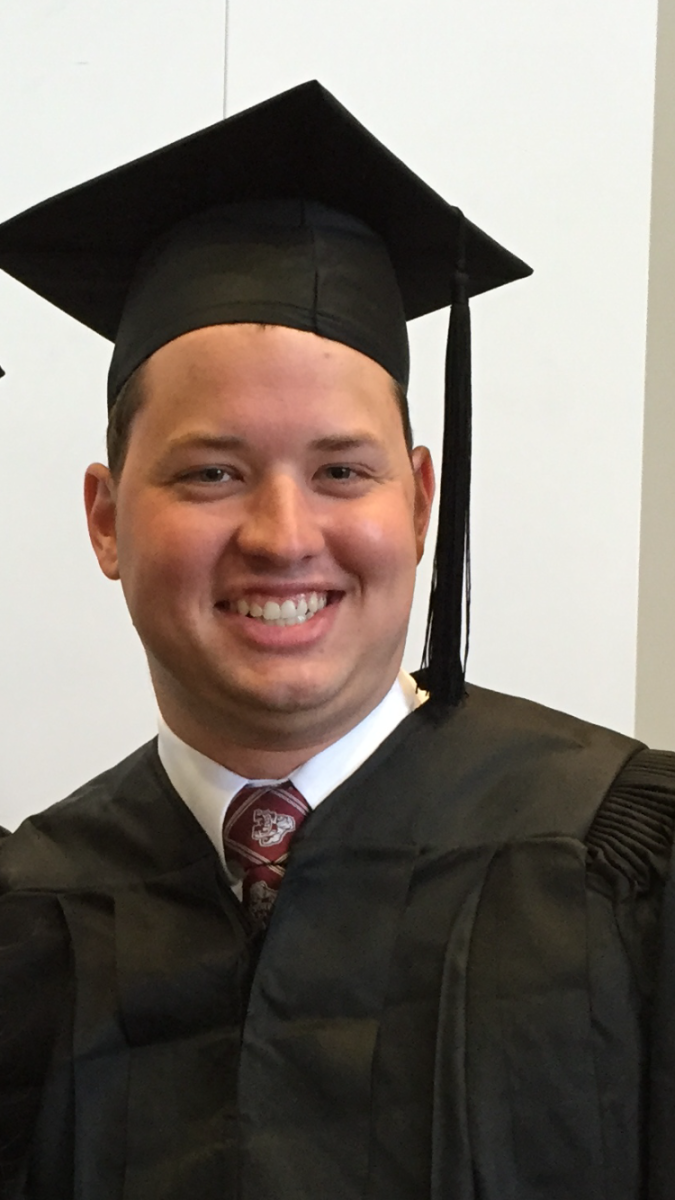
(331, 443)
(341, 442)
(206, 441)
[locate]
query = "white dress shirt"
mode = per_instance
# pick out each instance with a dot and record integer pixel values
(207, 788)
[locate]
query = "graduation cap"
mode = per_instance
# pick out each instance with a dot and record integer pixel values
(289, 213)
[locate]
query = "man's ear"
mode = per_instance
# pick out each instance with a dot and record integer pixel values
(101, 508)
(425, 487)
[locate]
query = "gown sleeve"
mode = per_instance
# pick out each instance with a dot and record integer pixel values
(630, 845)
(629, 851)
(34, 998)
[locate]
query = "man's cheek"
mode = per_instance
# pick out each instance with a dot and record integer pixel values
(385, 545)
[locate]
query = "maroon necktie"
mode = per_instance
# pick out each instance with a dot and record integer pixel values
(259, 826)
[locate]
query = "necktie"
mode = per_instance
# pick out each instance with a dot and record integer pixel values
(259, 826)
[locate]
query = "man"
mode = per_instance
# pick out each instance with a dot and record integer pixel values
(337, 934)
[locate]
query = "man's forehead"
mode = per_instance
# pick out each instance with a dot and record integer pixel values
(228, 387)
(234, 363)
(251, 344)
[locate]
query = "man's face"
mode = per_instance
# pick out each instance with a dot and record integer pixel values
(266, 474)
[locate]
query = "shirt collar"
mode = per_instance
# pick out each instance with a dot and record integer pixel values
(207, 788)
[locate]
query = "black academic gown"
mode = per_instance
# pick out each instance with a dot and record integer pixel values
(453, 1000)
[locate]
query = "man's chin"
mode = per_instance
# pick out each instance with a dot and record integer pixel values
(260, 708)
(289, 698)
(301, 712)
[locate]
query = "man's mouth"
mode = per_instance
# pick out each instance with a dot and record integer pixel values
(290, 610)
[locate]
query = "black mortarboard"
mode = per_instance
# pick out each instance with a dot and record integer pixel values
(288, 213)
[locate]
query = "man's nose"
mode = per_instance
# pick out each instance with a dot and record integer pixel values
(281, 522)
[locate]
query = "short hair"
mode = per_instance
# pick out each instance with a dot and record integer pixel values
(130, 399)
(121, 418)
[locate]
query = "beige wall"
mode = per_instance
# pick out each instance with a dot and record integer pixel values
(655, 693)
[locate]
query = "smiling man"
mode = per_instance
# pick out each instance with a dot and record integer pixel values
(337, 932)
(268, 496)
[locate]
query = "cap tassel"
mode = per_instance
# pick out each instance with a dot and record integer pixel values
(445, 652)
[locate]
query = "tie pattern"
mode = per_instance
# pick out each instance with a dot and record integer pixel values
(259, 826)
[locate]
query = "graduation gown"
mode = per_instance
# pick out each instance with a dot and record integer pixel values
(455, 998)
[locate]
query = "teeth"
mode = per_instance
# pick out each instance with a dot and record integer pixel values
(286, 612)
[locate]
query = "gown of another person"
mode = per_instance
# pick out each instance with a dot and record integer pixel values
(465, 992)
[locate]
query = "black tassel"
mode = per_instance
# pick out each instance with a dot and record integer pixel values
(2, 372)
(447, 636)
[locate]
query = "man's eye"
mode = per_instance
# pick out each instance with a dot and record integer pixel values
(209, 475)
(339, 473)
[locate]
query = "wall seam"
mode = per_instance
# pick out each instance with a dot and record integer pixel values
(226, 51)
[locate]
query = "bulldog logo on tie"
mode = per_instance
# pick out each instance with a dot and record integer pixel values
(270, 828)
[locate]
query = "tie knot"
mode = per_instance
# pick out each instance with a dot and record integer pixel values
(259, 826)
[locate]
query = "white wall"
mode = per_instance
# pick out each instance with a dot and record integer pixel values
(537, 120)
(84, 86)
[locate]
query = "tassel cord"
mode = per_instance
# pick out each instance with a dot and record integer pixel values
(445, 652)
